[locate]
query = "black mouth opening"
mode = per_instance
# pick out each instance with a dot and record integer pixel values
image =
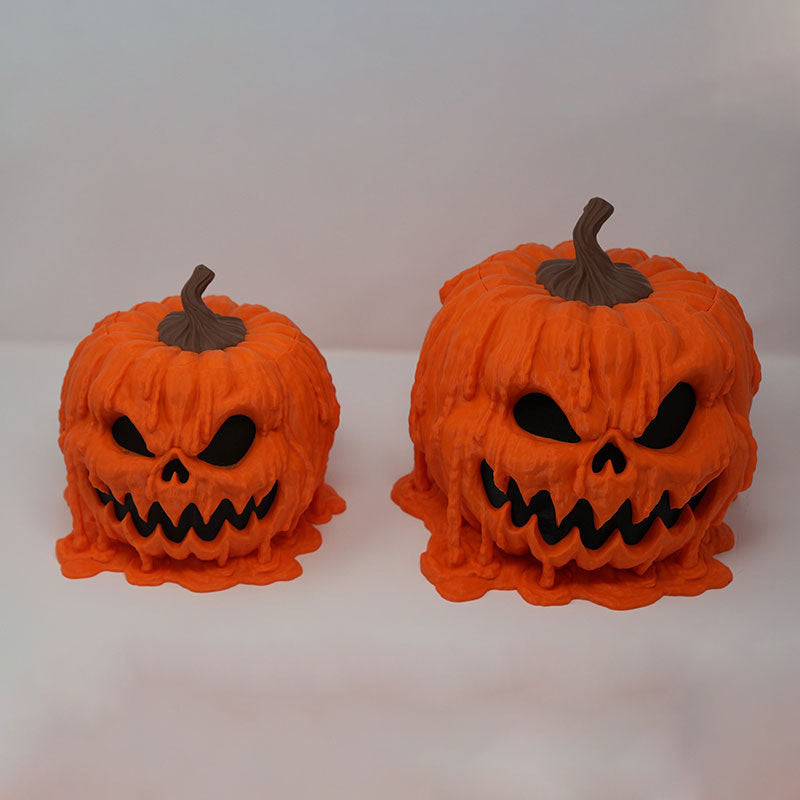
(581, 515)
(191, 518)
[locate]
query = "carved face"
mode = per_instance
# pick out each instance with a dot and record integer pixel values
(540, 415)
(598, 484)
(585, 436)
(166, 516)
(194, 457)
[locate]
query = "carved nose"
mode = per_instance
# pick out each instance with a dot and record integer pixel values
(175, 468)
(609, 452)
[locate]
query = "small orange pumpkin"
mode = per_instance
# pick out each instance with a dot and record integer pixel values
(196, 437)
(580, 425)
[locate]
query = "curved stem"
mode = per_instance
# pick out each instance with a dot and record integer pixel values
(592, 277)
(197, 327)
(192, 292)
(588, 253)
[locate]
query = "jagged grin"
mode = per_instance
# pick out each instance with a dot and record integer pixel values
(190, 518)
(581, 515)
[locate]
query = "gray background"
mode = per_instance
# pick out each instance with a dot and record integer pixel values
(339, 161)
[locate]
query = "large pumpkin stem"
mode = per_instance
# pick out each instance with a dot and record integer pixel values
(197, 327)
(592, 277)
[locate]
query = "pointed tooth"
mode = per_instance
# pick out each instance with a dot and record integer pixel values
(208, 530)
(248, 507)
(120, 509)
(240, 520)
(691, 524)
(622, 519)
(652, 543)
(495, 496)
(158, 517)
(520, 513)
(591, 537)
(683, 497)
(104, 496)
(697, 498)
(563, 503)
(603, 512)
(263, 508)
(614, 545)
(502, 480)
(527, 497)
(643, 503)
(638, 531)
(678, 498)
(668, 513)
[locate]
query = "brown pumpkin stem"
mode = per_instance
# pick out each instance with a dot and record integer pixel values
(197, 327)
(592, 277)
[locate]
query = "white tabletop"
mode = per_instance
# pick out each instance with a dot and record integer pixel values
(357, 679)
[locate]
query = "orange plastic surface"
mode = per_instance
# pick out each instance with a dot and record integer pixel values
(500, 335)
(177, 400)
(81, 558)
(614, 588)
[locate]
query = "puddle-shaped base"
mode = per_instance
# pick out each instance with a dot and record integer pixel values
(614, 588)
(205, 576)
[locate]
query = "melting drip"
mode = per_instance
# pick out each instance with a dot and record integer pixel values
(190, 518)
(581, 515)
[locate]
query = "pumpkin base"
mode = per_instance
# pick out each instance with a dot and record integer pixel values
(205, 576)
(618, 589)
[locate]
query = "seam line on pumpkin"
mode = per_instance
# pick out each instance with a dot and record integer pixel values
(295, 340)
(714, 299)
(482, 279)
(296, 334)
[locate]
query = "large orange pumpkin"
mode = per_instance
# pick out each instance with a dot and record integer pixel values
(580, 425)
(196, 437)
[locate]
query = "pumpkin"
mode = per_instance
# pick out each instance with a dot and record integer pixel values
(196, 436)
(580, 425)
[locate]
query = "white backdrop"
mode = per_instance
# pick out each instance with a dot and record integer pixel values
(339, 161)
(357, 681)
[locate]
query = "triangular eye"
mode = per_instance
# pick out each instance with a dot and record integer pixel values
(670, 422)
(230, 442)
(539, 414)
(126, 435)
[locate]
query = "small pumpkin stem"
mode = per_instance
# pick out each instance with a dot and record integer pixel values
(592, 277)
(192, 292)
(588, 253)
(197, 327)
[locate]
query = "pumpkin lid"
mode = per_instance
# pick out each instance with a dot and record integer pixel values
(592, 277)
(197, 327)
